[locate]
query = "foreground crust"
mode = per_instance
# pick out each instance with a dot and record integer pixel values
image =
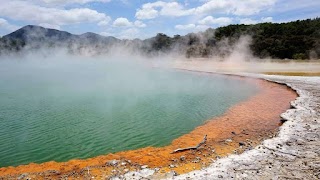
(293, 154)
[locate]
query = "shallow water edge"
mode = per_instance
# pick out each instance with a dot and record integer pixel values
(224, 136)
(292, 153)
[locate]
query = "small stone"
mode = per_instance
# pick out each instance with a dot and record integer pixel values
(123, 163)
(174, 160)
(283, 120)
(144, 166)
(228, 140)
(175, 173)
(112, 162)
(242, 144)
(197, 160)
(249, 148)
(171, 166)
(234, 133)
(22, 176)
(182, 158)
(156, 169)
(220, 176)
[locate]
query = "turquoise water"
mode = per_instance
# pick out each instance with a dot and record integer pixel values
(80, 109)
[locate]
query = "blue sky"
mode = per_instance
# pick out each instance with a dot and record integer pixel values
(144, 19)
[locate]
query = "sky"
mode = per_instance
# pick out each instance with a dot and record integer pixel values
(142, 19)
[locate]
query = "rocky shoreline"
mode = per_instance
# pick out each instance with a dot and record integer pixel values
(293, 154)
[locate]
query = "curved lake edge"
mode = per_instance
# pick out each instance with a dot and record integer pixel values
(294, 152)
(160, 157)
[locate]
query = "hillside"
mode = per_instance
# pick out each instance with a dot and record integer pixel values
(293, 40)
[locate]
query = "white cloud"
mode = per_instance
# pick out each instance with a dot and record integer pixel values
(104, 22)
(236, 7)
(174, 9)
(4, 24)
(251, 7)
(146, 13)
(185, 27)
(191, 27)
(122, 22)
(139, 24)
(50, 26)
(130, 33)
(248, 21)
(218, 21)
(201, 28)
(204, 24)
(65, 2)
(267, 19)
(29, 12)
(152, 10)
(224, 6)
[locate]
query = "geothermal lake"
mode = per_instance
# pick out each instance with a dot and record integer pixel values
(61, 110)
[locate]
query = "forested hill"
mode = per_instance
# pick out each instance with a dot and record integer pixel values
(293, 40)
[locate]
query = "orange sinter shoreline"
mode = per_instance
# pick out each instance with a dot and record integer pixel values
(241, 127)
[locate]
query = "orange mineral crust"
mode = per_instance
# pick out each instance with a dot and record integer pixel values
(240, 128)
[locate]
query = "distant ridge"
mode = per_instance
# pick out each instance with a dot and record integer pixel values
(38, 33)
(31, 32)
(292, 40)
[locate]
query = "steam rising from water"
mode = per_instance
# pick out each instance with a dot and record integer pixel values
(59, 107)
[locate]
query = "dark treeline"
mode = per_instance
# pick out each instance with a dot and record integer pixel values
(293, 40)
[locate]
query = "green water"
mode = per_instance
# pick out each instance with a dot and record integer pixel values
(80, 109)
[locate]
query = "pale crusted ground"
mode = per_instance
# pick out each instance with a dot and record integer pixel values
(293, 154)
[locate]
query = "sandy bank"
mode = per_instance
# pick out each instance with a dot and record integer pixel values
(248, 122)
